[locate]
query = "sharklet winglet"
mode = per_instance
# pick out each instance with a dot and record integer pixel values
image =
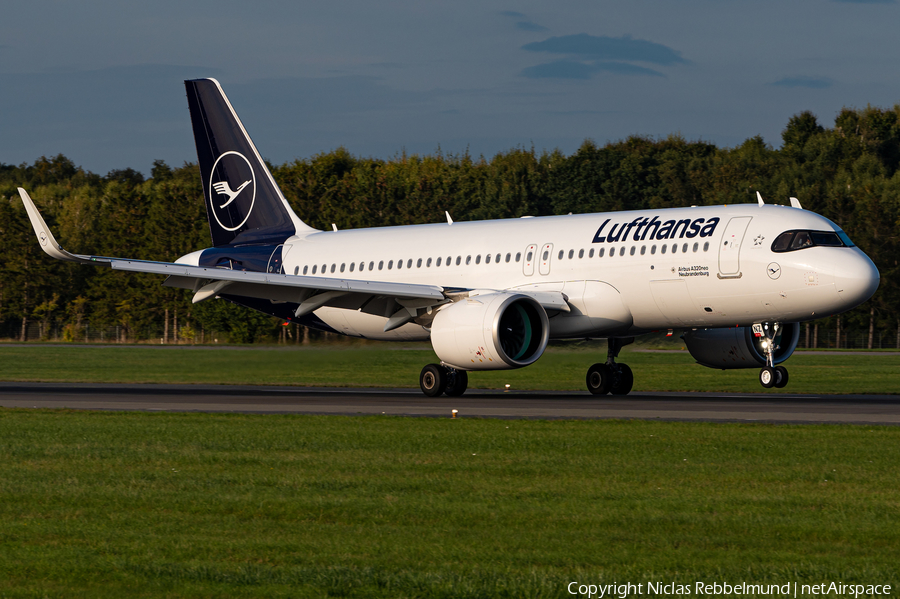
(45, 236)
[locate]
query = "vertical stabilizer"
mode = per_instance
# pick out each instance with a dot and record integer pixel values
(243, 202)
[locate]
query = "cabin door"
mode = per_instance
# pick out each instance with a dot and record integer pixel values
(730, 247)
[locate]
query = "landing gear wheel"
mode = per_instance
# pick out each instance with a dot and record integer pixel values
(433, 380)
(623, 381)
(767, 377)
(457, 382)
(781, 376)
(599, 379)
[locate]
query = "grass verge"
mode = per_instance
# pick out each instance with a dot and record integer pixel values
(384, 365)
(100, 504)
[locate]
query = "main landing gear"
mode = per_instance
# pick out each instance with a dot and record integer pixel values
(436, 379)
(611, 377)
(770, 375)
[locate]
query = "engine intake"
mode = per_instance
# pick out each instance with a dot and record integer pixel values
(495, 331)
(737, 347)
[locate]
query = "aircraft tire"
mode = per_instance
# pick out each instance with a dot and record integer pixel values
(767, 377)
(599, 379)
(433, 380)
(781, 377)
(457, 383)
(623, 383)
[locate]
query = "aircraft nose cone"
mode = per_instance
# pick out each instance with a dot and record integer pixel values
(856, 278)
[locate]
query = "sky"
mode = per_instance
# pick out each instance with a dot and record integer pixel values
(101, 81)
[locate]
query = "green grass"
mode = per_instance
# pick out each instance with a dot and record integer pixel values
(390, 365)
(109, 504)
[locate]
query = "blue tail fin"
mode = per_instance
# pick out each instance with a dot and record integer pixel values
(243, 202)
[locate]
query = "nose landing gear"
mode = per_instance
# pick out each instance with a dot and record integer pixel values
(770, 375)
(611, 377)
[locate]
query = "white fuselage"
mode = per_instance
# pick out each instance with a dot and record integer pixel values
(620, 280)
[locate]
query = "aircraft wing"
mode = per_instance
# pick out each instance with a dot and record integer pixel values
(310, 293)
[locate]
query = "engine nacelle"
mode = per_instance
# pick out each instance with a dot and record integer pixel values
(737, 347)
(495, 331)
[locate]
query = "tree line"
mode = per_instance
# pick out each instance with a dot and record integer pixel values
(848, 173)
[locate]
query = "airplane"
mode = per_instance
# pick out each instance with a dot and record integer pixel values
(489, 295)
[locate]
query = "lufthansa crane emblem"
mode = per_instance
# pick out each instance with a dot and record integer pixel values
(773, 270)
(232, 185)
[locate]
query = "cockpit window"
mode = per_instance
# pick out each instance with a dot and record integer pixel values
(801, 240)
(783, 242)
(826, 239)
(790, 241)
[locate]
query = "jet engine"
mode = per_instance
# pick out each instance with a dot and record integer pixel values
(495, 331)
(738, 347)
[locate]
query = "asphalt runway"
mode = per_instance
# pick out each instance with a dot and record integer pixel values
(726, 407)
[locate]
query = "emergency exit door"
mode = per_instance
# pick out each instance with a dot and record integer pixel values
(545, 258)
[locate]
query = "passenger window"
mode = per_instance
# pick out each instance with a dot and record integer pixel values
(696, 246)
(458, 259)
(305, 268)
(362, 266)
(684, 249)
(324, 268)
(333, 266)
(652, 249)
(591, 253)
(497, 258)
(372, 266)
(571, 254)
(518, 255)
(581, 253)
(706, 246)
(527, 257)
(428, 264)
(399, 264)
(419, 262)
(409, 263)
(343, 264)
(390, 264)
(663, 248)
(508, 256)
(643, 250)
(601, 252)
(674, 248)
(352, 266)
(468, 260)
(560, 256)
(622, 250)
(314, 268)
(487, 259)
(478, 259)
(631, 253)
(380, 264)
(612, 252)
(296, 269)
(438, 263)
